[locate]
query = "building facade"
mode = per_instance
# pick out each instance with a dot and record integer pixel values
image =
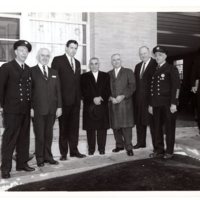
(98, 34)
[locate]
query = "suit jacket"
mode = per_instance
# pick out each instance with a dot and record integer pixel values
(69, 81)
(121, 115)
(142, 93)
(165, 85)
(91, 89)
(15, 88)
(46, 94)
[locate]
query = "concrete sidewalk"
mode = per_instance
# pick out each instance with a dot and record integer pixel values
(187, 143)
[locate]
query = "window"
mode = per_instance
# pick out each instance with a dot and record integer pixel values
(43, 29)
(52, 30)
(9, 33)
(179, 65)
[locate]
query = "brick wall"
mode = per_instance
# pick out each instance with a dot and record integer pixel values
(121, 33)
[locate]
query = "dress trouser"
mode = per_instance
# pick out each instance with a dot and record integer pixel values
(16, 135)
(43, 127)
(69, 129)
(164, 120)
(101, 139)
(123, 138)
(141, 133)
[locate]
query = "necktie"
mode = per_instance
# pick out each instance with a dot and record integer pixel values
(44, 72)
(142, 70)
(22, 66)
(72, 65)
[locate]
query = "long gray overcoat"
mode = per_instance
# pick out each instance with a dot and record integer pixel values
(121, 115)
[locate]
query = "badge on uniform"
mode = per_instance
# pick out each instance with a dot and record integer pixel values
(162, 77)
(53, 76)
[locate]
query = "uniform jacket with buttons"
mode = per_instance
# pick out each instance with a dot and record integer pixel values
(15, 88)
(46, 95)
(165, 85)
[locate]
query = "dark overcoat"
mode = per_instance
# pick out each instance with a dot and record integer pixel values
(121, 115)
(91, 89)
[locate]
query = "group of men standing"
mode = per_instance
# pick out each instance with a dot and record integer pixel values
(110, 100)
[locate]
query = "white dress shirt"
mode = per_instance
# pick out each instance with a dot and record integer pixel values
(95, 74)
(146, 64)
(117, 71)
(71, 59)
(41, 68)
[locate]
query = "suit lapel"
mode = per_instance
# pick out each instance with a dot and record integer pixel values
(139, 69)
(49, 74)
(147, 67)
(92, 79)
(99, 81)
(40, 73)
(18, 67)
(69, 64)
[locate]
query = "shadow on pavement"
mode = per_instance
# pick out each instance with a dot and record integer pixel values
(180, 173)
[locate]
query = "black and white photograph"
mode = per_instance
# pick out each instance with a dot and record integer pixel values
(100, 99)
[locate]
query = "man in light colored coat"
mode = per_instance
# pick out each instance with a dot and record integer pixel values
(122, 81)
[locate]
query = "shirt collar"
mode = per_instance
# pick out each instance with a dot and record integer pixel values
(41, 67)
(19, 63)
(162, 64)
(147, 62)
(96, 73)
(117, 69)
(69, 57)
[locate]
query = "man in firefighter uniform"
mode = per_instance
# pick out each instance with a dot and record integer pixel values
(165, 86)
(15, 86)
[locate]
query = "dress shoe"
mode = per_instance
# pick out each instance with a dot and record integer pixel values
(137, 146)
(40, 164)
(156, 155)
(130, 153)
(101, 152)
(25, 168)
(168, 156)
(90, 153)
(62, 158)
(5, 174)
(78, 155)
(117, 149)
(52, 162)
